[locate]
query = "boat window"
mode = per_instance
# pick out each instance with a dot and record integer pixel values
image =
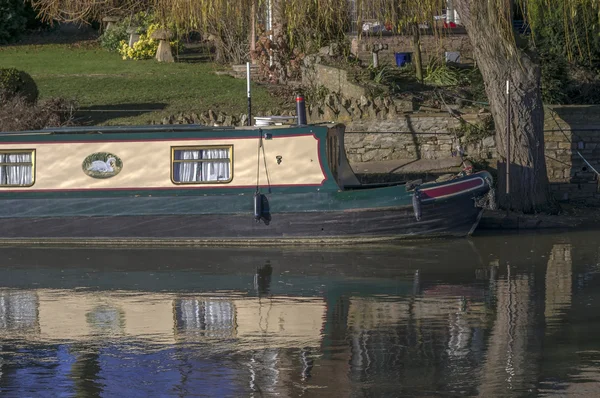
(18, 310)
(215, 318)
(17, 168)
(201, 165)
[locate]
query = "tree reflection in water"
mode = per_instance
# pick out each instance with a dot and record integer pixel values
(495, 316)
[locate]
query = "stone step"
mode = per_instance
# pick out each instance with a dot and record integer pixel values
(241, 68)
(240, 72)
(237, 75)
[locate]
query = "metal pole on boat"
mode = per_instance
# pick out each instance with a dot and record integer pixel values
(248, 90)
(508, 119)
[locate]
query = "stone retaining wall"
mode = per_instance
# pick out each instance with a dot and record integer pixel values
(431, 47)
(415, 136)
(571, 131)
(334, 79)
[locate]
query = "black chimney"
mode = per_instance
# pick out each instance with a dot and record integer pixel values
(300, 110)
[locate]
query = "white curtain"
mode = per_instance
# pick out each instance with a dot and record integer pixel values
(3, 173)
(189, 170)
(219, 315)
(215, 318)
(218, 170)
(204, 170)
(21, 173)
(191, 316)
(18, 310)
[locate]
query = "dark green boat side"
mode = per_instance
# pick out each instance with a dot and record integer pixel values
(316, 199)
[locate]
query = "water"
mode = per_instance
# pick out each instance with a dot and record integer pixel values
(514, 315)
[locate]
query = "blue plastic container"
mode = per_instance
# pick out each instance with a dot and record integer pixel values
(402, 58)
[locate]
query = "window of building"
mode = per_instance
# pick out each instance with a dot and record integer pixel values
(201, 165)
(17, 168)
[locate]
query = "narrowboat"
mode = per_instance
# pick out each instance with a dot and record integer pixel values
(199, 185)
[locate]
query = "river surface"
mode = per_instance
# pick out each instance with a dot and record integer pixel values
(502, 315)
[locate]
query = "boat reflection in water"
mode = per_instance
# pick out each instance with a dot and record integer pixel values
(458, 317)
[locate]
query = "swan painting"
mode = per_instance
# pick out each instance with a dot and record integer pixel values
(103, 167)
(96, 167)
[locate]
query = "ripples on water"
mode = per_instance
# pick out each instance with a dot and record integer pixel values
(495, 316)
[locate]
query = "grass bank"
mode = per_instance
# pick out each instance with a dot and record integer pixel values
(131, 92)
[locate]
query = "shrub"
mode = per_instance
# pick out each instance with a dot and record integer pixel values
(439, 73)
(474, 132)
(19, 114)
(554, 79)
(474, 85)
(277, 61)
(117, 38)
(13, 21)
(382, 74)
(568, 43)
(14, 82)
(111, 39)
(145, 47)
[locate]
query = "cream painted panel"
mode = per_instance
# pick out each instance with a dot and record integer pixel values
(280, 322)
(69, 316)
(299, 165)
(299, 161)
(147, 164)
(367, 313)
(63, 316)
(149, 316)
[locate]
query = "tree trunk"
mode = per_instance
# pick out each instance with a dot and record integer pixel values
(253, 32)
(278, 40)
(278, 17)
(417, 52)
(499, 60)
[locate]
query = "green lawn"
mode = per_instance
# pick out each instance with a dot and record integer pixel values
(102, 80)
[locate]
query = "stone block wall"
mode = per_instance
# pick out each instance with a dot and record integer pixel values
(570, 131)
(431, 47)
(390, 146)
(414, 136)
(572, 143)
(334, 79)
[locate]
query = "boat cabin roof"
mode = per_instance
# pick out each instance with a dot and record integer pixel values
(158, 128)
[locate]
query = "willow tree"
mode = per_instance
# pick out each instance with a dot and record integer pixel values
(506, 59)
(302, 22)
(85, 10)
(224, 22)
(510, 66)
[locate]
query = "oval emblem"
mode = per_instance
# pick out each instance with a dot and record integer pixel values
(102, 165)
